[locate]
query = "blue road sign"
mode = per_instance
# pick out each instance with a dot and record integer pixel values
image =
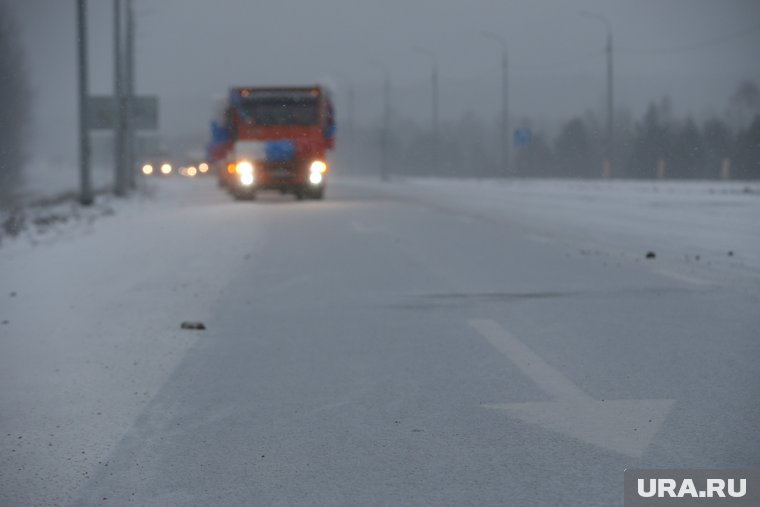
(522, 136)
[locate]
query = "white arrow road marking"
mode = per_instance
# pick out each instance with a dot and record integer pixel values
(624, 426)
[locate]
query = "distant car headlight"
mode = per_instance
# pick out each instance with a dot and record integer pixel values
(147, 169)
(203, 167)
(192, 171)
(166, 168)
(244, 167)
(318, 167)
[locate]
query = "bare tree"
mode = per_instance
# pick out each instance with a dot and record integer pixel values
(14, 103)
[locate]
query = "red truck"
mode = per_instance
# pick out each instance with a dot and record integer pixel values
(274, 138)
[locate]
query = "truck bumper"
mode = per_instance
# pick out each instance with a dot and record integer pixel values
(290, 177)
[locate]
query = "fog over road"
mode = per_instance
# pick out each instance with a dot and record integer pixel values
(383, 347)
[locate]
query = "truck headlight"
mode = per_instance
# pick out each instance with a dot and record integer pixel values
(318, 167)
(315, 178)
(244, 167)
(244, 170)
(246, 179)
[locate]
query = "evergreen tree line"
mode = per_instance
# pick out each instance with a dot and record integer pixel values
(655, 145)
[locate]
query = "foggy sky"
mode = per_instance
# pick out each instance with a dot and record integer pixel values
(190, 50)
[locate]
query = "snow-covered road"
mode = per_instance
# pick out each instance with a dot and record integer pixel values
(423, 342)
(718, 222)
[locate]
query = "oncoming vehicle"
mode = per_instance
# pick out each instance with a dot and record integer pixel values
(274, 138)
(158, 165)
(194, 168)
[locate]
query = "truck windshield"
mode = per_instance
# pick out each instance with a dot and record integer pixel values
(295, 109)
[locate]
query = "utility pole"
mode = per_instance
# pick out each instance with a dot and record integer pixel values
(85, 184)
(385, 135)
(130, 95)
(435, 115)
(351, 101)
(119, 96)
(610, 141)
(386, 126)
(505, 138)
(434, 107)
(610, 166)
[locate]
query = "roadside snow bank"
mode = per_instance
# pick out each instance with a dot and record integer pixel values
(90, 329)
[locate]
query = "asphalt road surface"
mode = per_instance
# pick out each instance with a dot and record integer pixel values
(382, 349)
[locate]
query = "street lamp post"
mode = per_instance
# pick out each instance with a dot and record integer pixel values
(351, 140)
(386, 125)
(505, 138)
(350, 114)
(610, 148)
(435, 119)
(120, 187)
(85, 192)
(386, 134)
(129, 85)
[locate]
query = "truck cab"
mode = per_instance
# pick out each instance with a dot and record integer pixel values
(278, 139)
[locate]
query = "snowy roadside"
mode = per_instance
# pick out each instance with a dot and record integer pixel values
(46, 205)
(705, 228)
(40, 220)
(90, 329)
